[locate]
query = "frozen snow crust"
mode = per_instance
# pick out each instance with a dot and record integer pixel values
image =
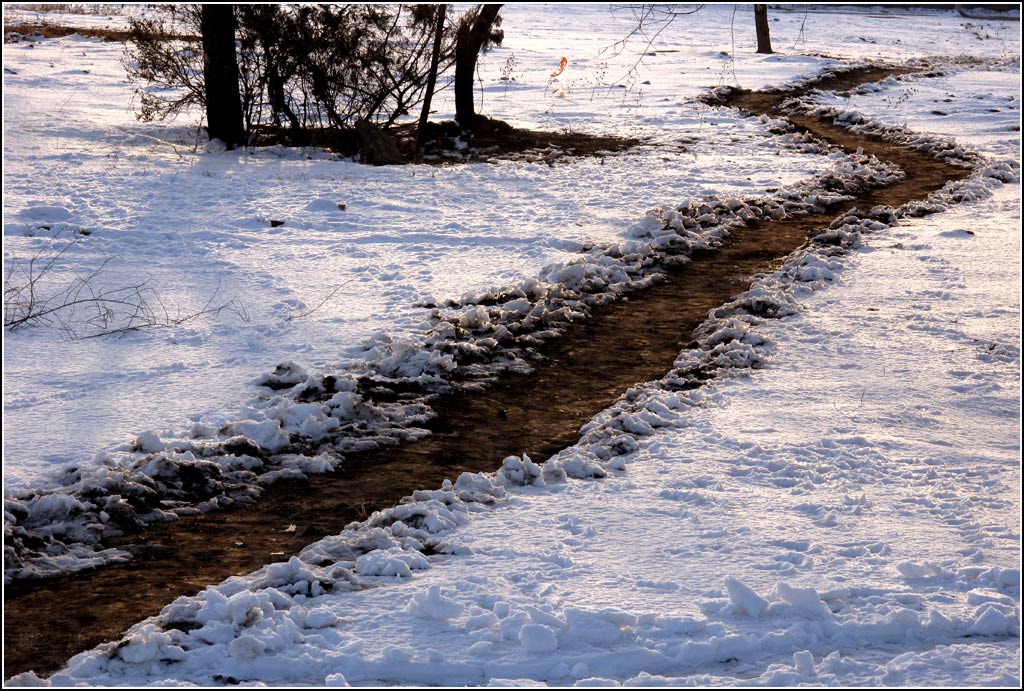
(247, 627)
(310, 421)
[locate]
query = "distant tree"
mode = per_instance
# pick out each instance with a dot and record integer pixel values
(764, 40)
(477, 31)
(650, 20)
(220, 75)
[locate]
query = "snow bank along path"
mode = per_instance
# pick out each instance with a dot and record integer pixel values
(810, 610)
(683, 222)
(314, 419)
(699, 225)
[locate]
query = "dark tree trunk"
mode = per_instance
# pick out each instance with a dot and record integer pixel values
(472, 36)
(435, 59)
(220, 75)
(764, 39)
(275, 92)
(265, 22)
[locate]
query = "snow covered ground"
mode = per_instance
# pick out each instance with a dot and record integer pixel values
(848, 515)
(195, 226)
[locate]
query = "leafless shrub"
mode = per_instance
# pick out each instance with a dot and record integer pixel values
(164, 62)
(300, 66)
(34, 296)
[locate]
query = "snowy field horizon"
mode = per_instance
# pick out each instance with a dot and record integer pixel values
(847, 513)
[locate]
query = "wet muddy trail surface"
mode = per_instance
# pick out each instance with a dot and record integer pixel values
(631, 341)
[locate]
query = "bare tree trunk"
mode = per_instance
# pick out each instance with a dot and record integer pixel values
(764, 39)
(264, 21)
(435, 59)
(472, 36)
(275, 92)
(220, 75)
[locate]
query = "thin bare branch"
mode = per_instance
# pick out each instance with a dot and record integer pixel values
(31, 298)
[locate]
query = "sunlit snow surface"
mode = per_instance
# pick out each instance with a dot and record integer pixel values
(849, 515)
(195, 226)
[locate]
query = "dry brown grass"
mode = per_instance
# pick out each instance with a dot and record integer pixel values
(48, 30)
(66, 8)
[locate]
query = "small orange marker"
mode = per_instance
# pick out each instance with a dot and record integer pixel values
(561, 67)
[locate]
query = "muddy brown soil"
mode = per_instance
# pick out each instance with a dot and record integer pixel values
(446, 143)
(635, 340)
(491, 139)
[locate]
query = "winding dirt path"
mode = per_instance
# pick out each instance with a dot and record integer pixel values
(47, 621)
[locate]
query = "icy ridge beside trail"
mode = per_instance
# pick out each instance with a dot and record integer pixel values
(311, 421)
(942, 148)
(246, 619)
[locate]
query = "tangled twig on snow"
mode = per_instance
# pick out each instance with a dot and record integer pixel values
(31, 299)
